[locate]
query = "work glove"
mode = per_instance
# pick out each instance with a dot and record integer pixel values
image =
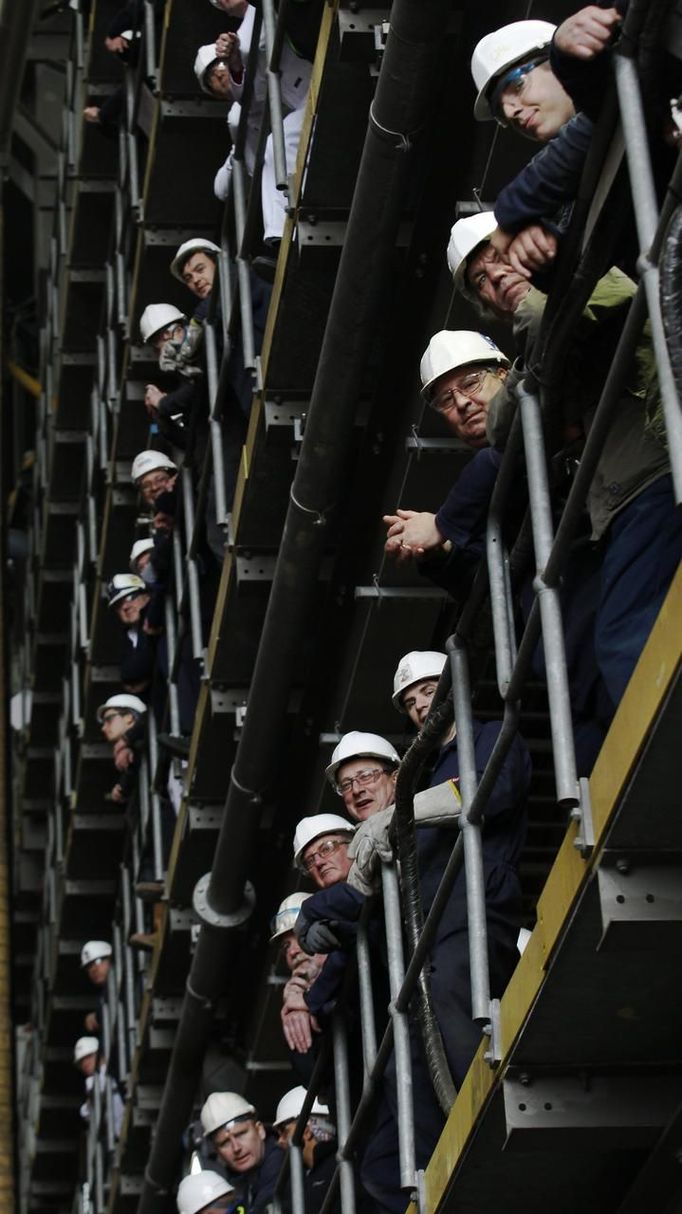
(316, 937)
(372, 842)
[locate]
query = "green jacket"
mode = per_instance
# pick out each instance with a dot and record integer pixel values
(632, 457)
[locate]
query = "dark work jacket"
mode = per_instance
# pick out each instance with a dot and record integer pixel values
(546, 188)
(504, 833)
(318, 1178)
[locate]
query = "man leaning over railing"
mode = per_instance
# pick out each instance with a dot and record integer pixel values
(630, 502)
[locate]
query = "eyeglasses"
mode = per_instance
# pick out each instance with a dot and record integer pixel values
(109, 716)
(326, 848)
(512, 84)
(362, 779)
(447, 400)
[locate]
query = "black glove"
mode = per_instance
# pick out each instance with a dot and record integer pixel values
(316, 937)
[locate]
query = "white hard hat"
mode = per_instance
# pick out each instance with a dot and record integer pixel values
(94, 950)
(465, 236)
(356, 745)
(150, 461)
(287, 914)
(122, 586)
(131, 704)
(85, 1046)
(223, 1107)
(497, 52)
(138, 549)
(312, 828)
(289, 1107)
(201, 1189)
(158, 316)
(415, 666)
(186, 249)
(205, 58)
(454, 348)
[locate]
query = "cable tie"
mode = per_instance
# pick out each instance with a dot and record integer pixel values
(404, 141)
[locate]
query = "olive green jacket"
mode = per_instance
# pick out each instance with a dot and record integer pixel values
(632, 457)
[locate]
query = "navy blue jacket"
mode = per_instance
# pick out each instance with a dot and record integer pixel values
(546, 188)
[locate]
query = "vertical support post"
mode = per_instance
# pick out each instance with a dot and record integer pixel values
(367, 1022)
(192, 576)
(216, 432)
(296, 1179)
(274, 98)
(471, 835)
(343, 1113)
(646, 214)
(563, 749)
(401, 1029)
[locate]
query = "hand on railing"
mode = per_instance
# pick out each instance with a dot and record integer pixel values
(587, 33)
(372, 842)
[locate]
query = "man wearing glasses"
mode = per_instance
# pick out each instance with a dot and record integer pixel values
(362, 772)
(461, 372)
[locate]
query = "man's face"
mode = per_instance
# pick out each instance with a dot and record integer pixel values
(241, 1145)
(130, 609)
(326, 860)
(98, 970)
(88, 1065)
(495, 283)
(284, 1132)
(462, 397)
(417, 700)
(292, 952)
(535, 103)
(198, 273)
(153, 483)
(170, 333)
(114, 724)
(361, 795)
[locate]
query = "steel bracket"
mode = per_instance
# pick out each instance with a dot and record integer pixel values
(593, 1112)
(641, 907)
(584, 840)
(493, 1054)
(213, 918)
(256, 568)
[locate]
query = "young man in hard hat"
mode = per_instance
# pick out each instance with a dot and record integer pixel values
(630, 503)
(130, 599)
(96, 962)
(122, 719)
(248, 1151)
(362, 772)
(87, 1059)
(205, 1193)
(318, 1144)
(175, 406)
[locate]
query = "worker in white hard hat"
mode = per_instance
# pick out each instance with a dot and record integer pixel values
(245, 1147)
(321, 848)
(204, 1193)
(88, 1060)
(317, 1144)
(362, 772)
(297, 1022)
(461, 373)
(85, 1055)
(294, 79)
(96, 963)
(140, 557)
(195, 265)
(532, 77)
(153, 472)
(122, 719)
